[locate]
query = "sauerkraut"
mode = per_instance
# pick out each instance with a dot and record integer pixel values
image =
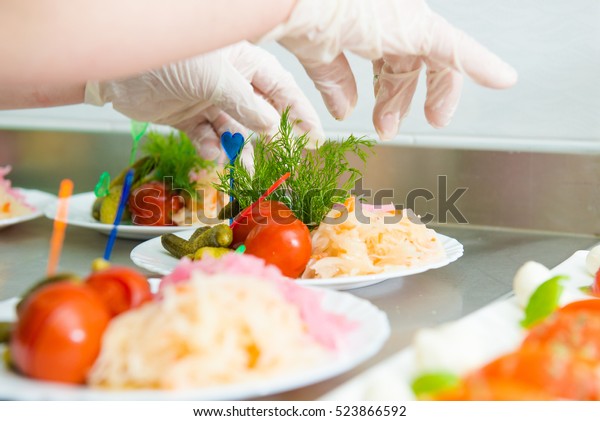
(209, 330)
(362, 240)
(12, 203)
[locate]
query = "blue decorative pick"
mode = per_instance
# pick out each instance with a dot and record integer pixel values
(233, 144)
(120, 209)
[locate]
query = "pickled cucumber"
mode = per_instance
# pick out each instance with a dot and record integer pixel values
(214, 252)
(197, 234)
(230, 210)
(110, 204)
(106, 212)
(219, 236)
(96, 208)
(177, 246)
(5, 328)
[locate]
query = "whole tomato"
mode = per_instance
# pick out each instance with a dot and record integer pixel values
(120, 288)
(58, 334)
(152, 204)
(287, 246)
(267, 210)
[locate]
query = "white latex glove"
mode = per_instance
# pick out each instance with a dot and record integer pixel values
(240, 88)
(399, 36)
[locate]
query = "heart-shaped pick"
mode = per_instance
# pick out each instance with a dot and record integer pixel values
(233, 144)
(103, 186)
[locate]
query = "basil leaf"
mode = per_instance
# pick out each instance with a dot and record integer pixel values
(432, 383)
(543, 301)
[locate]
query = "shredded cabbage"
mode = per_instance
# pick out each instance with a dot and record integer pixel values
(12, 203)
(212, 330)
(362, 240)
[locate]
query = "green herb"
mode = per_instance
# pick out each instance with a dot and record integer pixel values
(319, 178)
(174, 157)
(543, 301)
(429, 384)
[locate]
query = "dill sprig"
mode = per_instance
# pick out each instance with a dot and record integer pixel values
(319, 178)
(174, 156)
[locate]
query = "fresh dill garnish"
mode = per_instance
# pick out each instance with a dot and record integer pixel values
(174, 157)
(319, 178)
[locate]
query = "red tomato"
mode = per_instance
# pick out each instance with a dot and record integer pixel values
(494, 390)
(267, 210)
(574, 329)
(120, 288)
(152, 204)
(287, 246)
(591, 306)
(59, 332)
(559, 375)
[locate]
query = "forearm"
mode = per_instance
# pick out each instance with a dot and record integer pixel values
(73, 41)
(36, 96)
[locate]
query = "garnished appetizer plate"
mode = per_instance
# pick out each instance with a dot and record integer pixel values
(39, 200)
(463, 347)
(151, 256)
(365, 340)
(80, 215)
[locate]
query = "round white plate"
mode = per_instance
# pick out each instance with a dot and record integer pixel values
(38, 199)
(151, 256)
(366, 340)
(80, 215)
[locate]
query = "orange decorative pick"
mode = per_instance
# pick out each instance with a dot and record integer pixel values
(248, 210)
(60, 225)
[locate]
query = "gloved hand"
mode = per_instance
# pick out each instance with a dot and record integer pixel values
(238, 88)
(399, 36)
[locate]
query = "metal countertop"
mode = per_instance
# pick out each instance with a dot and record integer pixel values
(482, 275)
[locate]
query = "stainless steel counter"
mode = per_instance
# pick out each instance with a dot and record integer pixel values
(481, 276)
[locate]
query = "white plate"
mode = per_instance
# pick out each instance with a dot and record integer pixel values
(490, 332)
(151, 256)
(38, 199)
(364, 342)
(80, 215)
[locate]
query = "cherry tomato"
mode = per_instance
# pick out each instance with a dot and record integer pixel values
(267, 210)
(287, 246)
(58, 333)
(120, 288)
(152, 204)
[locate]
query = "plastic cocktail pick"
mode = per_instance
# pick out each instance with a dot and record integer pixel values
(60, 225)
(248, 210)
(232, 144)
(103, 186)
(120, 209)
(138, 129)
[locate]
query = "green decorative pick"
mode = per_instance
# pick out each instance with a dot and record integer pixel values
(103, 186)
(138, 129)
(241, 249)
